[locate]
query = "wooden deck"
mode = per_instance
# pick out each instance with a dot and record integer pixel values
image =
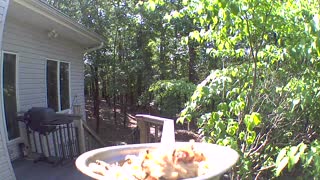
(27, 170)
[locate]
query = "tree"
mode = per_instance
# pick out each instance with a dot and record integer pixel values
(257, 97)
(258, 61)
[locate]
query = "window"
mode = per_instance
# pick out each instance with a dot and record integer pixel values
(58, 97)
(10, 95)
(64, 85)
(52, 85)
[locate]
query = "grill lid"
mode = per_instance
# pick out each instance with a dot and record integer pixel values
(38, 117)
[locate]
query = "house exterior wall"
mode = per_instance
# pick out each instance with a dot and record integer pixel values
(6, 171)
(33, 47)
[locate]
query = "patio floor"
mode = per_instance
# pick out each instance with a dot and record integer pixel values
(27, 170)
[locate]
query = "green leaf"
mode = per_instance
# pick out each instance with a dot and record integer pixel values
(251, 121)
(291, 155)
(295, 102)
(242, 135)
(318, 45)
(221, 46)
(151, 5)
(195, 35)
(180, 120)
(256, 118)
(248, 122)
(226, 141)
(251, 136)
(292, 151)
(302, 148)
(175, 14)
(185, 40)
(281, 154)
(220, 125)
(234, 8)
(185, 2)
(167, 17)
(215, 116)
(223, 107)
(283, 163)
(316, 22)
(232, 128)
(200, 8)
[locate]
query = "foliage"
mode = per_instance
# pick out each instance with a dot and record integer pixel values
(289, 156)
(218, 104)
(170, 95)
(311, 160)
(260, 60)
(267, 96)
(307, 157)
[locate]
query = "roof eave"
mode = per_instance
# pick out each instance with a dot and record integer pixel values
(46, 10)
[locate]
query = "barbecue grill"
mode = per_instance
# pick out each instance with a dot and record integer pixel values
(42, 121)
(38, 119)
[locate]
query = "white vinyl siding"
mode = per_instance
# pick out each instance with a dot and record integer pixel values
(6, 171)
(34, 48)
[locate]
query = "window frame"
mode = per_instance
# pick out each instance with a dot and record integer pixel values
(58, 84)
(19, 138)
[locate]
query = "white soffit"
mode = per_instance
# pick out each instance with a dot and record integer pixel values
(40, 15)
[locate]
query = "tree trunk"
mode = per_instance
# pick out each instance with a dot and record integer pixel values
(96, 102)
(139, 84)
(132, 98)
(192, 61)
(125, 110)
(114, 78)
(162, 54)
(121, 102)
(104, 89)
(115, 109)
(175, 57)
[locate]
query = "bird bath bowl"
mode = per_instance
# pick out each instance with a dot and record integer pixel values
(220, 158)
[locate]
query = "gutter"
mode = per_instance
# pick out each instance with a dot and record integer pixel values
(94, 48)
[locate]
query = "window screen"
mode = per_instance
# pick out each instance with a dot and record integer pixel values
(9, 95)
(52, 85)
(64, 86)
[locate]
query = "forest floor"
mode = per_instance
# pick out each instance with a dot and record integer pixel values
(114, 132)
(111, 131)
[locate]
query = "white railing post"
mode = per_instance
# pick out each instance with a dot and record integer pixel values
(143, 121)
(79, 124)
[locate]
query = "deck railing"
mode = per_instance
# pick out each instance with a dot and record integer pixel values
(58, 144)
(160, 126)
(88, 138)
(151, 129)
(92, 140)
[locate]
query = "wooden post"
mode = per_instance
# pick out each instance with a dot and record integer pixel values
(144, 121)
(156, 133)
(147, 130)
(79, 124)
(143, 128)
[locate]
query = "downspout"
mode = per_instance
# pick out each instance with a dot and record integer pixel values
(81, 130)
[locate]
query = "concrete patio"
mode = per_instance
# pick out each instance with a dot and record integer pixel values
(27, 170)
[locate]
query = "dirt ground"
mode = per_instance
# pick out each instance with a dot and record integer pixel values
(111, 131)
(114, 132)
